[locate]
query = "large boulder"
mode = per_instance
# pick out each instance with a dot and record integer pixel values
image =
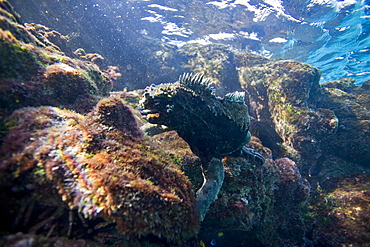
(96, 168)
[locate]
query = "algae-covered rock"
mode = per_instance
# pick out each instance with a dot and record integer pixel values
(34, 71)
(351, 104)
(340, 213)
(215, 61)
(256, 204)
(98, 165)
(282, 98)
(324, 128)
(260, 202)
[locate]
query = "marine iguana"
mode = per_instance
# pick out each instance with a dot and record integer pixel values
(212, 126)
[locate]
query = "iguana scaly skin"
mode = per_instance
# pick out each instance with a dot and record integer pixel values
(212, 126)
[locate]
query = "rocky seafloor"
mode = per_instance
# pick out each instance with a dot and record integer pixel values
(77, 169)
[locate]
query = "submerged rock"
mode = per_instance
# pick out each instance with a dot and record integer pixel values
(341, 213)
(98, 165)
(281, 95)
(35, 72)
(215, 61)
(351, 104)
(257, 204)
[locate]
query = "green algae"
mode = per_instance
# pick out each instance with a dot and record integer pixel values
(20, 63)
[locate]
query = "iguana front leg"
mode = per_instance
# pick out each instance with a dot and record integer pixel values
(213, 180)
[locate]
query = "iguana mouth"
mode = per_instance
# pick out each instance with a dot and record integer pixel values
(145, 112)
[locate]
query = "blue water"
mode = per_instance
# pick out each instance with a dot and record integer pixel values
(345, 48)
(329, 34)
